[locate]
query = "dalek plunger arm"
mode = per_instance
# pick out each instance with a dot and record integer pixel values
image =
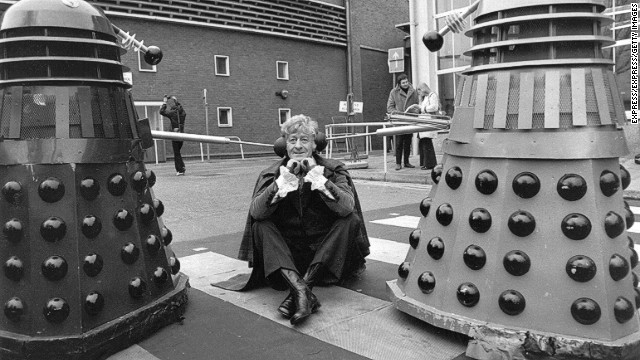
(434, 40)
(152, 54)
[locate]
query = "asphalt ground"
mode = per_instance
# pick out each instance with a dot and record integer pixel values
(206, 211)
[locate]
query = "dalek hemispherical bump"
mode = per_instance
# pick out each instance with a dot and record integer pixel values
(529, 224)
(82, 226)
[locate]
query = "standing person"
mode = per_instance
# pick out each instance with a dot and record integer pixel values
(305, 223)
(401, 97)
(429, 104)
(173, 110)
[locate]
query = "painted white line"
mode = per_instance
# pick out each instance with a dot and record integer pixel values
(200, 249)
(134, 352)
(405, 221)
(635, 209)
(635, 228)
(391, 252)
(353, 321)
(405, 186)
(394, 214)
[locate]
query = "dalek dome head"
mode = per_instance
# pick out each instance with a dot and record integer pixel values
(533, 33)
(71, 14)
(58, 41)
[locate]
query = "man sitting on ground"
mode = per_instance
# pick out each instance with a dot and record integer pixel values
(305, 218)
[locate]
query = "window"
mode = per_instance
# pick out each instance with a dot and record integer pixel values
(142, 65)
(284, 115)
(151, 111)
(282, 69)
(225, 117)
(222, 65)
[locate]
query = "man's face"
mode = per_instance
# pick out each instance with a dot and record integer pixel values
(300, 145)
(404, 83)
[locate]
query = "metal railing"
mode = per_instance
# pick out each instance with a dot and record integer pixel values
(402, 123)
(175, 136)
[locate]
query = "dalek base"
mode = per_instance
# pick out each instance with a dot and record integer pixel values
(105, 340)
(490, 341)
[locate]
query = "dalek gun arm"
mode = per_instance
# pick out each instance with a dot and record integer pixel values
(434, 40)
(412, 123)
(176, 136)
(152, 54)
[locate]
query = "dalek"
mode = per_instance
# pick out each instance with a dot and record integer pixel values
(87, 265)
(522, 244)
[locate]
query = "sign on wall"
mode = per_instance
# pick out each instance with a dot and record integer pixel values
(396, 60)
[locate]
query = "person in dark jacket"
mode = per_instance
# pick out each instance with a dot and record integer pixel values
(173, 110)
(401, 97)
(304, 218)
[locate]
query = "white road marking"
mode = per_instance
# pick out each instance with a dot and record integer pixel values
(635, 209)
(391, 252)
(406, 186)
(405, 221)
(635, 228)
(134, 352)
(200, 249)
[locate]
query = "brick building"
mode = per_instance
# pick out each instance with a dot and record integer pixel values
(245, 52)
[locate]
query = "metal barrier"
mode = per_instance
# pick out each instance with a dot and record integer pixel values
(174, 136)
(237, 139)
(403, 124)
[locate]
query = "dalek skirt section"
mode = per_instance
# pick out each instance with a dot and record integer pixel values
(87, 267)
(524, 234)
(85, 257)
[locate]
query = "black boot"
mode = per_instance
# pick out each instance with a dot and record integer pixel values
(287, 307)
(301, 295)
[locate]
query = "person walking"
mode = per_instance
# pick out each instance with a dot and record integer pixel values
(173, 110)
(401, 97)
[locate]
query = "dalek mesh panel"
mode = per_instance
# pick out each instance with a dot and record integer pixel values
(522, 244)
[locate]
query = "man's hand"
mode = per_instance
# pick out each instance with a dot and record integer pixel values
(308, 164)
(287, 182)
(294, 166)
(316, 177)
(176, 130)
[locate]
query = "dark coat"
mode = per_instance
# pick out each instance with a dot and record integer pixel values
(267, 177)
(176, 115)
(399, 101)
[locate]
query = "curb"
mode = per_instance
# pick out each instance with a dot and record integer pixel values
(631, 195)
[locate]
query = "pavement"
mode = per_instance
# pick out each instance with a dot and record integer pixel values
(374, 170)
(356, 321)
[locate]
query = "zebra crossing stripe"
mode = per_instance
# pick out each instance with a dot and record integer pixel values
(134, 352)
(635, 209)
(391, 252)
(405, 221)
(635, 228)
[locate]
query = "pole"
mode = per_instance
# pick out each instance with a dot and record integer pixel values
(206, 119)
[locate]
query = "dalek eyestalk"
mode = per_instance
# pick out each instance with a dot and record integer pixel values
(88, 266)
(434, 40)
(152, 54)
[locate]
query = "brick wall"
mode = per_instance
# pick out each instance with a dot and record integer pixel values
(317, 79)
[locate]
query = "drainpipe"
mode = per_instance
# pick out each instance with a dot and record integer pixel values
(347, 8)
(414, 60)
(414, 42)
